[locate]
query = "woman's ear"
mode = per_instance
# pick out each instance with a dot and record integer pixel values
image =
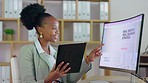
(40, 32)
(39, 29)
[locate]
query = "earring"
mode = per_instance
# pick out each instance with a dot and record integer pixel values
(41, 35)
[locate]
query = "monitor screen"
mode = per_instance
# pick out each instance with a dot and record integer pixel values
(122, 41)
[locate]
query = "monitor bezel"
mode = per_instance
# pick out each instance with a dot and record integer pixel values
(139, 46)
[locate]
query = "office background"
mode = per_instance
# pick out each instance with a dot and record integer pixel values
(119, 9)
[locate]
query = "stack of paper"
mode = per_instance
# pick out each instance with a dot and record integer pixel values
(4, 74)
(81, 32)
(1, 31)
(12, 8)
(69, 9)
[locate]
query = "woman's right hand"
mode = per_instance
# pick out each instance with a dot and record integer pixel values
(60, 71)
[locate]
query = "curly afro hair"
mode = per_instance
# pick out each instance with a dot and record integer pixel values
(30, 14)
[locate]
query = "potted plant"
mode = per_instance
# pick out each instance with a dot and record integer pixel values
(9, 34)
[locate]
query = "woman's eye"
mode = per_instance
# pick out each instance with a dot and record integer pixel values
(54, 27)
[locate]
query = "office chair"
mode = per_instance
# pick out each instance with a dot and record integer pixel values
(15, 70)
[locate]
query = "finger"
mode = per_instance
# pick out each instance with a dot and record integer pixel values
(96, 51)
(93, 51)
(99, 47)
(63, 75)
(53, 68)
(60, 65)
(66, 70)
(98, 54)
(64, 67)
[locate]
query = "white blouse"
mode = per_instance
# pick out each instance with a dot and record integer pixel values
(51, 58)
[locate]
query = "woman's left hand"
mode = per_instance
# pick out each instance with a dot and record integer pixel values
(94, 54)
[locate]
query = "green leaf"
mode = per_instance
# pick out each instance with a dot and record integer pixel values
(9, 31)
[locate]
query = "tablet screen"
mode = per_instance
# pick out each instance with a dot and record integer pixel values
(72, 54)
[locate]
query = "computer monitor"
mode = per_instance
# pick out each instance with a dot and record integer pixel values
(122, 41)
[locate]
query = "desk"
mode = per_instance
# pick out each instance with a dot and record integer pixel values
(120, 79)
(112, 79)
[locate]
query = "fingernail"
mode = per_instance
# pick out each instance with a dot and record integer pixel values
(67, 63)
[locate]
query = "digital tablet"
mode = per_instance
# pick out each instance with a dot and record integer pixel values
(72, 54)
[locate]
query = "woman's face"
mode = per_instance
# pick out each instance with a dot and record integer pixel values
(50, 29)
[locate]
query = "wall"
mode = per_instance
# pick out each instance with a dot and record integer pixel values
(121, 9)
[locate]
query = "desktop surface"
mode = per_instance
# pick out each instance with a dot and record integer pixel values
(111, 79)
